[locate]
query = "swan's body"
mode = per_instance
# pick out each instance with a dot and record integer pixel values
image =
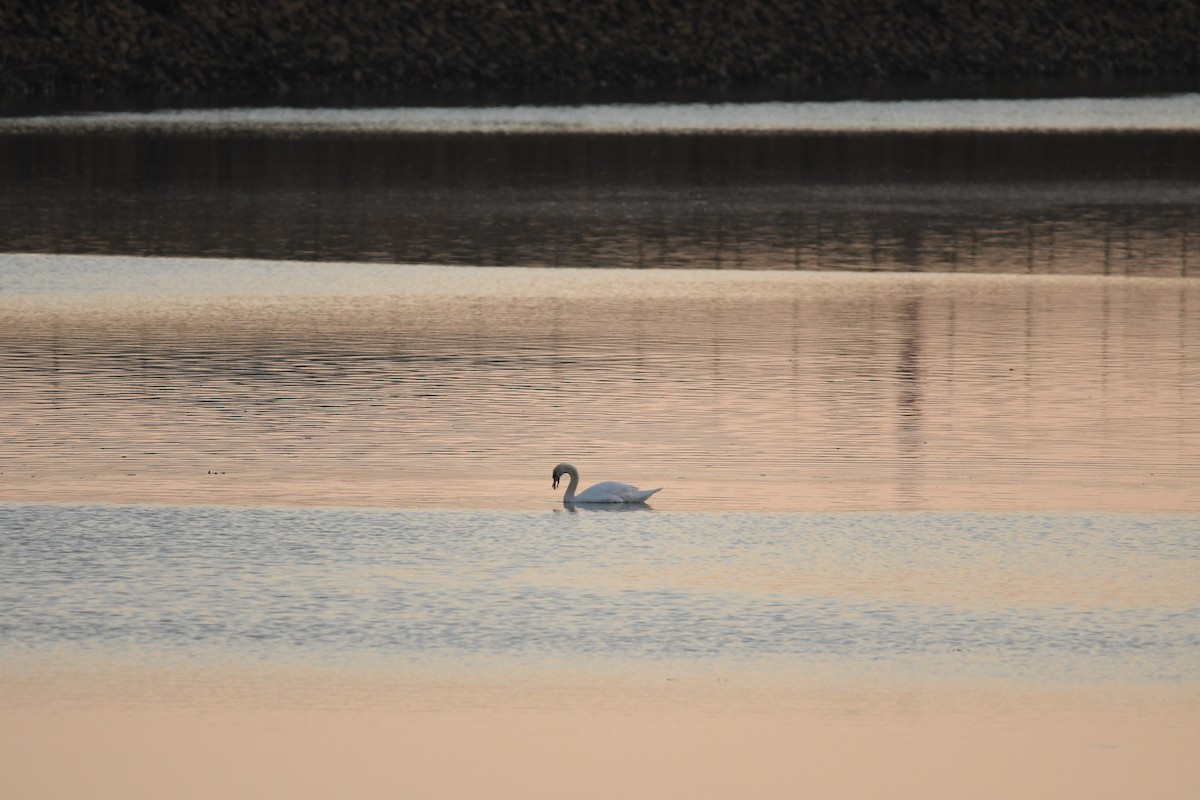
(606, 492)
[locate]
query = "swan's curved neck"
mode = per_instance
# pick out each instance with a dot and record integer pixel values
(572, 486)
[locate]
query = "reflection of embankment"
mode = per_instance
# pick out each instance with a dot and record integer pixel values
(841, 230)
(1036, 230)
(1099, 204)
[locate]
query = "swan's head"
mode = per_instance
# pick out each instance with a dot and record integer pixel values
(559, 471)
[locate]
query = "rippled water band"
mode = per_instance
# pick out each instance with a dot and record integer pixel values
(1080, 598)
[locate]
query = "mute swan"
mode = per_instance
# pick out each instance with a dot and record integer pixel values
(607, 492)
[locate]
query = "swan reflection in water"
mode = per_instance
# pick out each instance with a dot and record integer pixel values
(607, 495)
(574, 507)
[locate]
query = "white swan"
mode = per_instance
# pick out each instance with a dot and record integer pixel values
(607, 492)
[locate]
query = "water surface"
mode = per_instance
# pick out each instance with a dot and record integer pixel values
(281, 392)
(1042, 187)
(1017, 600)
(333, 384)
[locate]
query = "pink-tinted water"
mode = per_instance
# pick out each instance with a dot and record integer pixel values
(252, 382)
(919, 535)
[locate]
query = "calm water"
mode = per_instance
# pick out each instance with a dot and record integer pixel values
(268, 382)
(287, 387)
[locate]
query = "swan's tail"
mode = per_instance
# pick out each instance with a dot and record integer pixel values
(645, 494)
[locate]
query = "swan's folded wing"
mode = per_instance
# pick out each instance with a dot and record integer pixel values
(613, 492)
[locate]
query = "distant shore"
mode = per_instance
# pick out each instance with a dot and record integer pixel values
(96, 48)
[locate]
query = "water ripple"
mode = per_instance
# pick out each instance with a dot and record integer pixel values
(851, 588)
(358, 384)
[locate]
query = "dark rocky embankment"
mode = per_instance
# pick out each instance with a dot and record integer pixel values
(64, 47)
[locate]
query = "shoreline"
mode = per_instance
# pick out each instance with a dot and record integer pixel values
(106, 47)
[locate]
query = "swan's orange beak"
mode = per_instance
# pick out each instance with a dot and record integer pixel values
(555, 485)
